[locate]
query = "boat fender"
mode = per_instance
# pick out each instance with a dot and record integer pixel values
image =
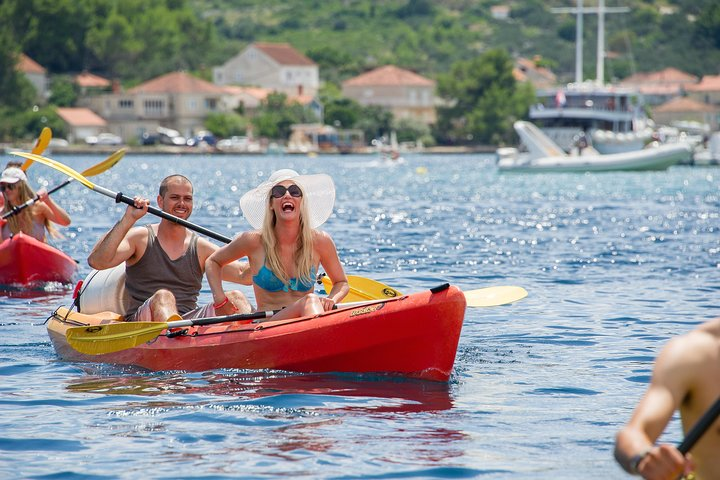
(104, 291)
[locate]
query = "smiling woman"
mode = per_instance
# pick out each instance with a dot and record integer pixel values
(286, 250)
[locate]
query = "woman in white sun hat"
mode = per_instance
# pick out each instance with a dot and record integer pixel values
(34, 220)
(285, 250)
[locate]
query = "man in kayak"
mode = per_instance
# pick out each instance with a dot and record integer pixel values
(686, 376)
(164, 261)
(286, 249)
(35, 220)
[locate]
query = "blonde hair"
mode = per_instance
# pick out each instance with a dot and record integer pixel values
(23, 220)
(304, 250)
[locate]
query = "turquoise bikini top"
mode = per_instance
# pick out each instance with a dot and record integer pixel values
(267, 280)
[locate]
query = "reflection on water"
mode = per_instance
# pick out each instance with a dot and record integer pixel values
(349, 392)
(40, 290)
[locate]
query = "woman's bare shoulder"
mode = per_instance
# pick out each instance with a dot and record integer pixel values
(250, 236)
(321, 236)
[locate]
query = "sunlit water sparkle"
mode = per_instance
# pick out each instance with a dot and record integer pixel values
(615, 264)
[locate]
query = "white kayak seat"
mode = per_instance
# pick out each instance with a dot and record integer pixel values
(104, 291)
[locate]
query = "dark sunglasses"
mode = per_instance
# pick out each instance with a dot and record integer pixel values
(11, 186)
(278, 191)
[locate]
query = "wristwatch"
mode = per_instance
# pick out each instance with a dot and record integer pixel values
(635, 460)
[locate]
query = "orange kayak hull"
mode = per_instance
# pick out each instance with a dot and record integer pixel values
(415, 336)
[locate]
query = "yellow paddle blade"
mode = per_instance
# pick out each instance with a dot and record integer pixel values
(106, 164)
(112, 337)
(494, 296)
(362, 288)
(40, 145)
(57, 166)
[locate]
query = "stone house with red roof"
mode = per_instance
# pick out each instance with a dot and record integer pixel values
(405, 93)
(661, 86)
(89, 82)
(176, 100)
(686, 109)
(81, 123)
(36, 74)
(273, 66)
(706, 91)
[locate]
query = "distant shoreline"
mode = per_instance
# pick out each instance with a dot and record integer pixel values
(181, 150)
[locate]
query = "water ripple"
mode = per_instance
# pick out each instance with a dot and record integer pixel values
(615, 265)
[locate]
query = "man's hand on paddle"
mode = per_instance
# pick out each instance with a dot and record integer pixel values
(140, 208)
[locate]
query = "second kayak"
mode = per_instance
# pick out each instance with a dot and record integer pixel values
(27, 261)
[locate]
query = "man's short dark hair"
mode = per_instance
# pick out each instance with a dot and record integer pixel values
(168, 179)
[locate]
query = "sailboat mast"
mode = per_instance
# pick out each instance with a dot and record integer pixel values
(579, 43)
(580, 10)
(600, 65)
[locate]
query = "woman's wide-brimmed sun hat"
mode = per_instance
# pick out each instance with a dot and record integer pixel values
(318, 193)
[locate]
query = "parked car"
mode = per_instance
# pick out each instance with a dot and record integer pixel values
(104, 139)
(202, 138)
(238, 144)
(168, 136)
(149, 139)
(58, 142)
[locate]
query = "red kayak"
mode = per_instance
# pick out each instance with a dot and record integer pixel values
(414, 335)
(27, 261)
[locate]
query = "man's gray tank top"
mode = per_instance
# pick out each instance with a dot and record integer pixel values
(155, 270)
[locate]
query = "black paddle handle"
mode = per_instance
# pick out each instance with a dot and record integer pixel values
(19, 208)
(700, 427)
(119, 197)
(196, 322)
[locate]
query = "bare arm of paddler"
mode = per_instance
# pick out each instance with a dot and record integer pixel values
(51, 210)
(215, 270)
(326, 250)
(235, 272)
(685, 378)
(123, 241)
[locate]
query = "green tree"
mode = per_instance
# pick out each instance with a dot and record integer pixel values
(342, 111)
(226, 124)
(16, 91)
(375, 121)
(409, 130)
(64, 92)
(114, 46)
(28, 123)
(275, 117)
(708, 24)
(51, 32)
(483, 100)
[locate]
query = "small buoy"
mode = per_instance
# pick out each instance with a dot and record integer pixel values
(421, 170)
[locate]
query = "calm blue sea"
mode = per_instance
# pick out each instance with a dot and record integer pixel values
(615, 264)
